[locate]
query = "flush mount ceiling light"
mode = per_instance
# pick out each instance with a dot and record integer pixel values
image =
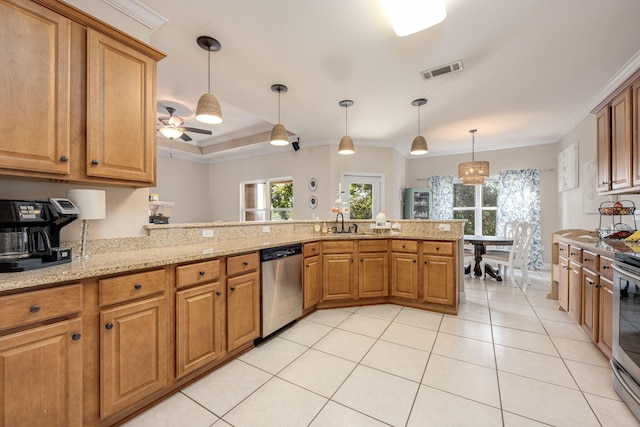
(346, 143)
(410, 16)
(279, 135)
(419, 144)
(208, 110)
(473, 173)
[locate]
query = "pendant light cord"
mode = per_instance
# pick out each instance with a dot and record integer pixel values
(418, 119)
(346, 120)
(279, 90)
(209, 71)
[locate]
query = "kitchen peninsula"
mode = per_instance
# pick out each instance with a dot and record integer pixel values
(142, 317)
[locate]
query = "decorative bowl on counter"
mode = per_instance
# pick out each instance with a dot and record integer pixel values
(613, 234)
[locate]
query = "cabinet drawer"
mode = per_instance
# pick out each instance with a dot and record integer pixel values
(606, 269)
(372, 245)
(242, 263)
(404, 246)
(575, 254)
(437, 248)
(563, 250)
(337, 247)
(35, 306)
(311, 249)
(130, 286)
(590, 261)
(200, 272)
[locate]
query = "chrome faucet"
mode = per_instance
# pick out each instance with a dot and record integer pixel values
(342, 215)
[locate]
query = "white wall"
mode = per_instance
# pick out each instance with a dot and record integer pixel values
(543, 157)
(323, 163)
(186, 184)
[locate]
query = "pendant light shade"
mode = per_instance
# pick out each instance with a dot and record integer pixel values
(279, 134)
(346, 143)
(419, 144)
(208, 110)
(473, 172)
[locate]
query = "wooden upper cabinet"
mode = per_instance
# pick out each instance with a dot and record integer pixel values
(621, 130)
(603, 124)
(120, 111)
(34, 89)
(636, 128)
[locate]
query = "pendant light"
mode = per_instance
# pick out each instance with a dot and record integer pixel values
(473, 173)
(208, 110)
(346, 143)
(279, 135)
(419, 144)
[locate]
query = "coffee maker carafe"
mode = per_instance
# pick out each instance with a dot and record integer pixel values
(30, 233)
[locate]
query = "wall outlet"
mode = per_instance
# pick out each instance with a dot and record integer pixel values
(266, 228)
(444, 227)
(207, 233)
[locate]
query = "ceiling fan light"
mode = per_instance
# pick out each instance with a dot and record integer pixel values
(208, 110)
(170, 132)
(410, 16)
(419, 146)
(346, 145)
(279, 135)
(176, 121)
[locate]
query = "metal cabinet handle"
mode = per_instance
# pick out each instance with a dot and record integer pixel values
(138, 286)
(76, 337)
(201, 273)
(94, 163)
(605, 267)
(245, 263)
(232, 289)
(34, 308)
(64, 159)
(587, 260)
(109, 326)
(414, 261)
(598, 286)
(218, 293)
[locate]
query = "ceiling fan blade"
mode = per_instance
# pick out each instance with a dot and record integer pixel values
(185, 137)
(196, 130)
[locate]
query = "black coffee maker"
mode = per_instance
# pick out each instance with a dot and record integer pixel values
(30, 233)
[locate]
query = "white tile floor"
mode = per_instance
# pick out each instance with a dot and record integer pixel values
(509, 358)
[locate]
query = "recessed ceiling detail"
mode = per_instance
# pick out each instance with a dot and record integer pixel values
(443, 69)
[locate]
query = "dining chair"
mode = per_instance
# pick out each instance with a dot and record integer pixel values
(507, 232)
(518, 255)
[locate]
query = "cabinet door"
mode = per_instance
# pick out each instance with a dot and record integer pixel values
(563, 284)
(41, 376)
(636, 129)
(575, 292)
(311, 282)
(438, 280)
(621, 128)
(34, 88)
(200, 320)
(373, 275)
(134, 353)
(590, 303)
(121, 111)
(605, 331)
(243, 309)
(337, 277)
(603, 136)
(404, 275)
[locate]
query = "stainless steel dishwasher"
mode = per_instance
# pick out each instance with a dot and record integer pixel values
(281, 287)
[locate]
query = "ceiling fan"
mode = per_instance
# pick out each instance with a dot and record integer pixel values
(171, 127)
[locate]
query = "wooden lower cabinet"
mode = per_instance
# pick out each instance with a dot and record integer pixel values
(563, 283)
(438, 280)
(200, 321)
(338, 277)
(312, 286)
(590, 303)
(373, 276)
(41, 376)
(605, 313)
(134, 340)
(404, 275)
(575, 292)
(243, 309)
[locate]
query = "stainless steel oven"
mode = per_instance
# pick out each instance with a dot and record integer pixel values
(625, 363)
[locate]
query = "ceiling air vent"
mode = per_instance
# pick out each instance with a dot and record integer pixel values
(443, 69)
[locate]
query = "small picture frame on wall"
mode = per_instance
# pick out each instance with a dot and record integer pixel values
(313, 184)
(313, 202)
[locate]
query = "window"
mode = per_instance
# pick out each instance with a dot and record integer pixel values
(477, 204)
(365, 194)
(267, 200)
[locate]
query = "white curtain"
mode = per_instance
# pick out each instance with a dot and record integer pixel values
(442, 195)
(519, 200)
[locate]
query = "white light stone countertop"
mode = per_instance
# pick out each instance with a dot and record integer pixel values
(128, 260)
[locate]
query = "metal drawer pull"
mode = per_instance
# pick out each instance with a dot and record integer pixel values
(233, 289)
(95, 162)
(109, 326)
(76, 337)
(201, 273)
(34, 308)
(138, 286)
(605, 267)
(218, 293)
(245, 263)
(64, 159)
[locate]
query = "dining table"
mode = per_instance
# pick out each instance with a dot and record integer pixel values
(480, 244)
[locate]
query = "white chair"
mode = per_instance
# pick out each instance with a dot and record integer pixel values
(507, 232)
(518, 256)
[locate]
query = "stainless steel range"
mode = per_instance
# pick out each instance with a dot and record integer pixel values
(626, 329)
